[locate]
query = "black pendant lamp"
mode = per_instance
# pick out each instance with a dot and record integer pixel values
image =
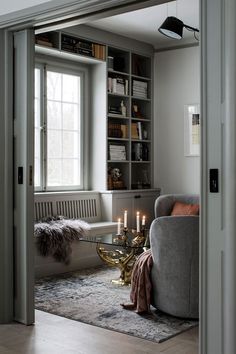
(173, 27)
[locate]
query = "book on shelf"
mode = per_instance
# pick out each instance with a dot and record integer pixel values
(81, 46)
(137, 131)
(114, 130)
(117, 152)
(124, 130)
(118, 85)
(139, 127)
(134, 131)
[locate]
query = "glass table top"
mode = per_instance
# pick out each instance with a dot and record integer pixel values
(131, 241)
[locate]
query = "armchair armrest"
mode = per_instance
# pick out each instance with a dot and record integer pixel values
(177, 234)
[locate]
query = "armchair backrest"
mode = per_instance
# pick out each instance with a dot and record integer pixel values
(164, 204)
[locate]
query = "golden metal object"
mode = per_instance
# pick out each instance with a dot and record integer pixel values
(123, 258)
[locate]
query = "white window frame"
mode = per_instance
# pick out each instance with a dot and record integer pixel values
(45, 63)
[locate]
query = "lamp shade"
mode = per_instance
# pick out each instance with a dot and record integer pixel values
(172, 27)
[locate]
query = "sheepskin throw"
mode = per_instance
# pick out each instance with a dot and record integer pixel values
(54, 237)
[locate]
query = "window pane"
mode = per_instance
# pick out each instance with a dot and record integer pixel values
(71, 174)
(54, 144)
(71, 116)
(71, 143)
(70, 88)
(54, 117)
(54, 177)
(63, 130)
(54, 85)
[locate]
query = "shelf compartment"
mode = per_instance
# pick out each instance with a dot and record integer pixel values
(141, 65)
(140, 151)
(48, 39)
(117, 176)
(114, 105)
(141, 176)
(118, 60)
(118, 84)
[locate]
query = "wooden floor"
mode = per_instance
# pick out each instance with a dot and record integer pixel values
(56, 335)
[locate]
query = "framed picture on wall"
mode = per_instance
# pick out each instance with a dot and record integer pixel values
(191, 130)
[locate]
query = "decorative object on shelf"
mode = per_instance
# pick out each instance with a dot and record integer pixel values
(191, 130)
(110, 63)
(116, 181)
(135, 112)
(140, 152)
(123, 108)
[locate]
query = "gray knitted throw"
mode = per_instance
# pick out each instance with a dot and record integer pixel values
(55, 235)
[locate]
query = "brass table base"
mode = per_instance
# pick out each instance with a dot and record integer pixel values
(122, 259)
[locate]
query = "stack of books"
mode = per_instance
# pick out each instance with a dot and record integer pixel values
(118, 85)
(140, 89)
(117, 152)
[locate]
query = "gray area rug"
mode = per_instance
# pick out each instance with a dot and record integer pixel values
(89, 296)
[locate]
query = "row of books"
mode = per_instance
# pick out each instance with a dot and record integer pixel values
(83, 47)
(117, 152)
(117, 130)
(118, 85)
(140, 89)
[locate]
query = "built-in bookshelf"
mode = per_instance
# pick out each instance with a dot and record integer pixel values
(121, 109)
(129, 119)
(71, 44)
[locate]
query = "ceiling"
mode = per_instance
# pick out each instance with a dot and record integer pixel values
(143, 24)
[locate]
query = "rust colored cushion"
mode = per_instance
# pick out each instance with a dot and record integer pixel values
(185, 209)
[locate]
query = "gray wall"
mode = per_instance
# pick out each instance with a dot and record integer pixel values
(177, 83)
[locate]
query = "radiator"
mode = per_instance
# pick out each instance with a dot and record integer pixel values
(84, 206)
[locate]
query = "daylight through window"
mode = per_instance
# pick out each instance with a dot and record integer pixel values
(58, 154)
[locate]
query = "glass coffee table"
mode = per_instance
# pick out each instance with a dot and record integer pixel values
(119, 251)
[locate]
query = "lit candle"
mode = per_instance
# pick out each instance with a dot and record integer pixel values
(143, 220)
(118, 227)
(125, 219)
(137, 220)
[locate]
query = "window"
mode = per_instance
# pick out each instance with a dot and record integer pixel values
(58, 128)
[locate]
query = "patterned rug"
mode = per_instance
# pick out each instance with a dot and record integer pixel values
(89, 296)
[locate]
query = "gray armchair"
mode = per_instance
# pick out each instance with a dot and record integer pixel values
(175, 248)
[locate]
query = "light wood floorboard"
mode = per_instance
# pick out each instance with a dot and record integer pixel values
(57, 335)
